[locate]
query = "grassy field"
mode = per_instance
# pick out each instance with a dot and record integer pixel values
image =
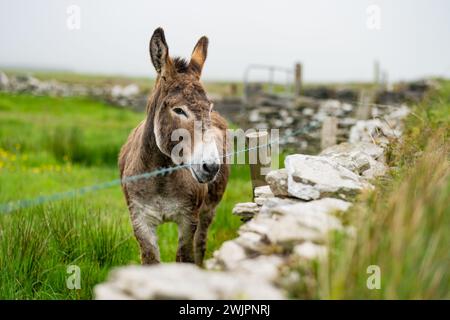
(50, 145)
(402, 227)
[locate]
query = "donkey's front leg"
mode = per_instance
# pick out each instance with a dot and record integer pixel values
(201, 235)
(186, 231)
(148, 241)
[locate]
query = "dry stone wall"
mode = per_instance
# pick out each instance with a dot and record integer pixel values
(268, 111)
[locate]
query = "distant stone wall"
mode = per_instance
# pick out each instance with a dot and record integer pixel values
(262, 110)
(129, 96)
(288, 114)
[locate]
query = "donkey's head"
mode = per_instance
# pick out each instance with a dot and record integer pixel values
(181, 111)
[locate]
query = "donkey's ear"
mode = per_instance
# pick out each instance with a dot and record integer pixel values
(159, 51)
(199, 56)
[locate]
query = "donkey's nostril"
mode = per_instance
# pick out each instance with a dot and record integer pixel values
(210, 167)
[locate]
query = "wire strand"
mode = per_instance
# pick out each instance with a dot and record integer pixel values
(27, 203)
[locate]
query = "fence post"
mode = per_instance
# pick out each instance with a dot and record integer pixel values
(328, 136)
(364, 107)
(384, 80)
(271, 80)
(298, 80)
(233, 90)
(259, 157)
(376, 73)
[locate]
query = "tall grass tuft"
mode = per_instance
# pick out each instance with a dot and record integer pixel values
(70, 144)
(403, 229)
(37, 250)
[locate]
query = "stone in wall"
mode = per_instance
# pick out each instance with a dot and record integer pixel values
(310, 251)
(255, 243)
(233, 257)
(246, 210)
(294, 222)
(4, 81)
(373, 130)
(229, 255)
(282, 233)
(262, 193)
(313, 177)
(124, 91)
(363, 158)
(277, 180)
(271, 203)
(182, 281)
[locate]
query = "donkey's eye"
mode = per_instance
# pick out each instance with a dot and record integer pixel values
(180, 112)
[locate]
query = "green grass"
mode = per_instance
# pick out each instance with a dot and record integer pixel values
(403, 225)
(50, 145)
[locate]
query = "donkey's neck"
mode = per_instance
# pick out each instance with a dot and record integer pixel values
(150, 154)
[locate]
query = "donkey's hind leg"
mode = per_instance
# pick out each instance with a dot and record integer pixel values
(148, 241)
(186, 231)
(201, 235)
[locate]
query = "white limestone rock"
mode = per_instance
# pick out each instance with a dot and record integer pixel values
(399, 113)
(260, 201)
(262, 194)
(363, 158)
(316, 207)
(229, 254)
(315, 214)
(287, 232)
(183, 281)
(264, 267)
(282, 232)
(375, 131)
(377, 168)
(276, 202)
(254, 242)
(314, 177)
(277, 180)
(126, 91)
(356, 162)
(246, 210)
(368, 148)
(4, 81)
(292, 222)
(310, 251)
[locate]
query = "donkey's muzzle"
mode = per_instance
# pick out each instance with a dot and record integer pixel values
(210, 168)
(206, 171)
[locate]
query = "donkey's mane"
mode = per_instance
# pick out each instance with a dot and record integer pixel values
(181, 64)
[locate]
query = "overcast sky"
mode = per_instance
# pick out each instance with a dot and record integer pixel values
(331, 38)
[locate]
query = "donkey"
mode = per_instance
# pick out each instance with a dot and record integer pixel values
(187, 196)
